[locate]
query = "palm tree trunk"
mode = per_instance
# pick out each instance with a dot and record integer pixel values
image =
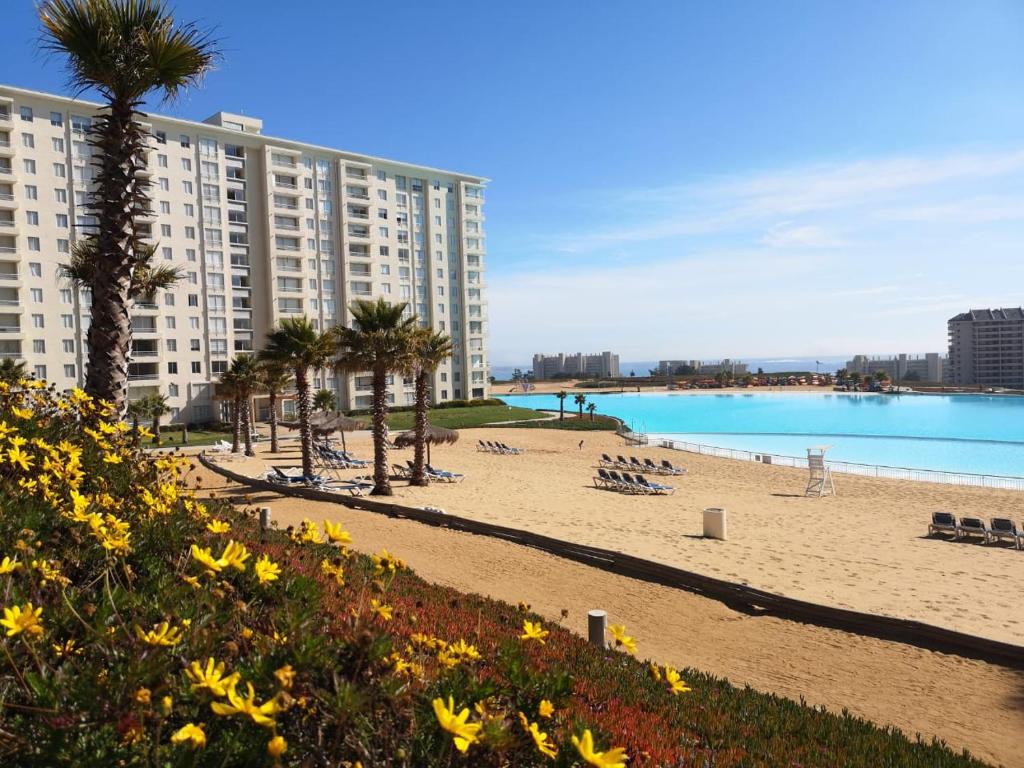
(156, 429)
(381, 481)
(247, 425)
(419, 477)
(118, 201)
(236, 426)
(305, 433)
(272, 396)
(136, 439)
(561, 410)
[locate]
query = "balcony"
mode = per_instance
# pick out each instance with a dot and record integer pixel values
(357, 230)
(359, 193)
(10, 349)
(10, 323)
(144, 325)
(145, 349)
(9, 274)
(143, 371)
(282, 205)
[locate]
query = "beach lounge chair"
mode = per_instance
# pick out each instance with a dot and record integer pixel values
(1004, 528)
(221, 446)
(650, 466)
(634, 486)
(480, 446)
(401, 471)
(352, 460)
(654, 487)
(974, 526)
(606, 461)
(509, 449)
(450, 477)
(278, 475)
(620, 484)
(670, 469)
(943, 521)
(604, 480)
(621, 463)
(636, 465)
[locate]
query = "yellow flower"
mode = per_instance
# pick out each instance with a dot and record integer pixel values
(204, 558)
(285, 676)
(18, 457)
(211, 677)
(335, 570)
(613, 758)
(276, 746)
(162, 634)
(337, 534)
(21, 413)
(266, 570)
(246, 633)
(143, 696)
(23, 619)
(218, 526)
(192, 734)
(166, 705)
(534, 631)
(67, 648)
(192, 581)
(113, 458)
(621, 638)
(385, 562)
(9, 566)
(235, 555)
(546, 709)
(540, 739)
(676, 685)
(463, 733)
(261, 714)
(384, 611)
(308, 533)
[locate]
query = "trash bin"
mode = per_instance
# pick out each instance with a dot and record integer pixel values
(714, 523)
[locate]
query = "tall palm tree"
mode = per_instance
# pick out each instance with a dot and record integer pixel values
(381, 342)
(324, 400)
(274, 379)
(580, 400)
(298, 345)
(156, 407)
(430, 350)
(561, 404)
(590, 409)
(12, 371)
(127, 50)
(245, 372)
(136, 412)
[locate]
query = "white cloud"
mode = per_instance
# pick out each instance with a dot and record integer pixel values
(789, 235)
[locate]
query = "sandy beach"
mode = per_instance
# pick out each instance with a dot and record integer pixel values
(865, 549)
(875, 560)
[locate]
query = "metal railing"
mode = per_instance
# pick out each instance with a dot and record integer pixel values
(1001, 482)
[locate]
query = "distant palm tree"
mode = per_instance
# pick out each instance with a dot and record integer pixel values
(297, 344)
(854, 379)
(126, 50)
(431, 349)
(881, 376)
(381, 342)
(561, 404)
(324, 400)
(580, 400)
(156, 408)
(136, 412)
(590, 409)
(12, 371)
(274, 379)
(245, 373)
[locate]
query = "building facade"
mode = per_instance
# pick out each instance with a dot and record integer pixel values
(261, 229)
(600, 364)
(986, 348)
(928, 367)
(701, 368)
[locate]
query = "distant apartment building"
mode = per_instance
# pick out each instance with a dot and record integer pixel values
(261, 228)
(701, 368)
(986, 348)
(928, 367)
(601, 364)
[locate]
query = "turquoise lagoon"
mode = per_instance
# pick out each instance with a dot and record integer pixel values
(976, 434)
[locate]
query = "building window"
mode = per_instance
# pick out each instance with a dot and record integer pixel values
(172, 390)
(26, 114)
(30, 166)
(69, 371)
(60, 170)
(40, 371)
(38, 347)
(32, 193)
(33, 244)
(172, 367)
(56, 119)
(37, 295)
(38, 322)
(197, 367)
(68, 346)
(172, 345)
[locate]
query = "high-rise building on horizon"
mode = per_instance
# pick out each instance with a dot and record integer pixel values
(261, 228)
(986, 348)
(579, 364)
(930, 367)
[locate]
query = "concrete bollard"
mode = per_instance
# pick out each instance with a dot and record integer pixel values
(264, 518)
(597, 622)
(714, 524)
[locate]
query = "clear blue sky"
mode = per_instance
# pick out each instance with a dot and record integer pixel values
(670, 179)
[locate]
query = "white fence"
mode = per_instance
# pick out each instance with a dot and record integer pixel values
(851, 468)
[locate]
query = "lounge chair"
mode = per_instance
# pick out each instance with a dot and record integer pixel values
(451, 477)
(974, 526)
(401, 471)
(481, 446)
(655, 487)
(221, 446)
(670, 469)
(509, 449)
(352, 460)
(635, 486)
(944, 521)
(604, 480)
(620, 484)
(636, 465)
(1005, 528)
(278, 475)
(606, 461)
(621, 462)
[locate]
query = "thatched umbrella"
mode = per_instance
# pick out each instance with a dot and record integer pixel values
(435, 435)
(326, 422)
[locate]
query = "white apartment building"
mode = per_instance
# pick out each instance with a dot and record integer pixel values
(599, 364)
(702, 368)
(930, 367)
(262, 228)
(986, 348)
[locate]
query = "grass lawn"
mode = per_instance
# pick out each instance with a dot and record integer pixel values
(195, 437)
(573, 422)
(460, 418)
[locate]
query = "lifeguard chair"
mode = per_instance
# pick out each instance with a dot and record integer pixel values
(819, 482)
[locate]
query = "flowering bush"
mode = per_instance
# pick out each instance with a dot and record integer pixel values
(143, 626)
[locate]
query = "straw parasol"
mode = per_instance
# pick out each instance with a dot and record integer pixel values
(435, 436)
(326, 422)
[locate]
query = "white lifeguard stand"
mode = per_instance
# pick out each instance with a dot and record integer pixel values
(819, 483)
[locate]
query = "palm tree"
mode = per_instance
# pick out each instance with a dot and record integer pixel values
(590, 409)
(298, 345)
(274, 379)
(854, 379)
(245, 373)
(156, 408)
(580, 400)
(431, 349)
(324, 400)
(228, 389)
(561, 404)
(12, 371)
(127, 50)
(381, 342)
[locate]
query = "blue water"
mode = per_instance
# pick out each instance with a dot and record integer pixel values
(823, 363)
(954, 433)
